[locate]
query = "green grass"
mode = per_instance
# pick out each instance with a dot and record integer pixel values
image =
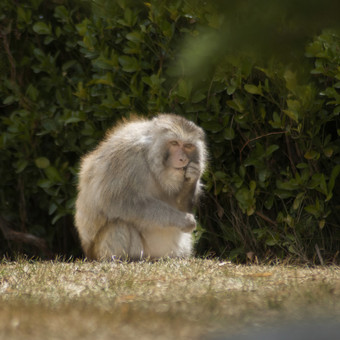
(183, 299)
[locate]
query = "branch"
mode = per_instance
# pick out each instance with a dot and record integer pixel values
(16, 236)
(266, 218)
(259, 137)
(9, 55)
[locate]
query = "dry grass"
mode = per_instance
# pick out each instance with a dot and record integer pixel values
(183, 299)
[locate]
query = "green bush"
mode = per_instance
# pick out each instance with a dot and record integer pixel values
(275, 183)
(70, 69)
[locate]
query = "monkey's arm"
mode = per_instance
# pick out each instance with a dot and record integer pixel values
(155, 212)
(188, 196)
(134, 196)
(149, 212)
(186, 199)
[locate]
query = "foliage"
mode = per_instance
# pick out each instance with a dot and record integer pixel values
(70, 69)
(281, 165)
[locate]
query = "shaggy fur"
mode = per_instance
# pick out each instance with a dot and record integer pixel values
(131, 203)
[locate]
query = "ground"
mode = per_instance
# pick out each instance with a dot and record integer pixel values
(168, 299)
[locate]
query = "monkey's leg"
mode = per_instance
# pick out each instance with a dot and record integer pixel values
(117, 240)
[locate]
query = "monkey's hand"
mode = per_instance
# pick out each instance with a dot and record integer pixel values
(189, 223)
(192, 172)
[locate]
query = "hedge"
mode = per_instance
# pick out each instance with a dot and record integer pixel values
(71, 69)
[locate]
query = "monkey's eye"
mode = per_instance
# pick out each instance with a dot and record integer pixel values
(189, 146)
(174, 143)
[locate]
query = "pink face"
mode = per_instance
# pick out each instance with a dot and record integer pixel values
(180, 154)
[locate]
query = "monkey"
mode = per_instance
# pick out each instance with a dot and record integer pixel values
(138, 187)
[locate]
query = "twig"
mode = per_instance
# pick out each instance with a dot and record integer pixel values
(259, 137)
(9, 55)
(319, 254)
(264, 217)
(290, 155)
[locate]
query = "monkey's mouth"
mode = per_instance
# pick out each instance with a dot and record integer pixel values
(182, 168)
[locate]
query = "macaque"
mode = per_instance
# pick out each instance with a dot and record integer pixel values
(137, 190)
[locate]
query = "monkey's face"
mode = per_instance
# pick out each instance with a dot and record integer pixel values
(179, 154)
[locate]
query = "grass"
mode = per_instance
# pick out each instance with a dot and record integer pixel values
(183, 299)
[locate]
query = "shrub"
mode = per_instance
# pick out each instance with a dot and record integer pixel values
(275, 183)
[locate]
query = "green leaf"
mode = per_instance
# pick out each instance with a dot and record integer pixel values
(20, 166)
(53, 207)
(24, 15)
(293, 115)
(88, 130)
(42, 162)
(253, 89)
(39, 54)
(312, 210)
(212, 126)
(242, 196)
(129, 64)
(58, 217)
(197, 97)
(328, 151)
(220, 175)
(135, 37)
(69, 64)
(154, 81)
(73, 120)
(291, 81)
(312, 155)
(44, 183)
(271, 149)
(289, 185)
(298, 200)
(294, 107)
(302, 166)
(269, 202)
(106, 63)
(61, 13)
(264, 174)
(82, 27)
(41, 27)
(252, 187)
(276, 122)
(124, 100)
(32, 92)
(229, 133)
(245, 198)
(53, 174)
(322, 224)
(184, 88)
(236, 105)
(106, 79)
(331, 183)
(336, 111)
(9, 100)
(271, 242)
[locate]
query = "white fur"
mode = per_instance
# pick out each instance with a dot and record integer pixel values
(170, 242)
(127, 205)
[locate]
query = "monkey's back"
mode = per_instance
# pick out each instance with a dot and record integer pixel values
(106, 174)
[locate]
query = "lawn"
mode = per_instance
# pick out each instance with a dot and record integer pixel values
(168, 299)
